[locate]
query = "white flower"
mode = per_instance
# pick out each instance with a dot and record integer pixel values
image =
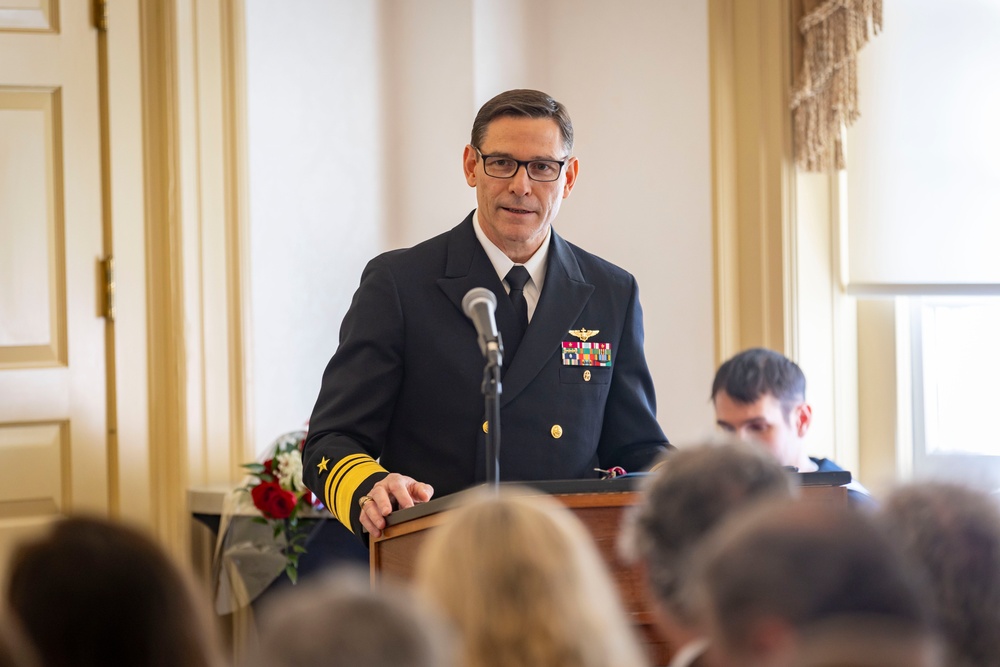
(289, 466)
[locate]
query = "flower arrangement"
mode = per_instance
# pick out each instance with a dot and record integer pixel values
(280, 496)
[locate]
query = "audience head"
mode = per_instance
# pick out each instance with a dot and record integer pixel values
(760, 395)
(690, 494)
(865, 642)
(94, 592)
(15, 650)
(772, 577)
(339, 620)
(521, 579)
(952, 534)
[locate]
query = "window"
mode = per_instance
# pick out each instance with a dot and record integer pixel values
(922, 211)
(955, 352)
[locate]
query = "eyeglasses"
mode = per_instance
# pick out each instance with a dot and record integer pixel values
(501, 166)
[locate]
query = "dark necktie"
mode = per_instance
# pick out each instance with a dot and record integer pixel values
(517, 277)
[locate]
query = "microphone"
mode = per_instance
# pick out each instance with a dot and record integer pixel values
(480, 305)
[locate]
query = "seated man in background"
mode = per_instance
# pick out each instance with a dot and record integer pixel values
(952, 534)
(804, 583)
(683, 501)
(760, 396)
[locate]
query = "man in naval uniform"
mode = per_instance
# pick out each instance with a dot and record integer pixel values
(400, 415)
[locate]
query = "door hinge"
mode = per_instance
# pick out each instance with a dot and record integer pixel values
(108, 265)
(101, 15)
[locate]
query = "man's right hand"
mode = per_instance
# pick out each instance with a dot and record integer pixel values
(395, 491)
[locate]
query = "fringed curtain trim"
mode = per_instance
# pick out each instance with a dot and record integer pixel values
(825, 99)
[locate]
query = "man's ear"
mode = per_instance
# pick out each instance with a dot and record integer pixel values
(803, 419)
(469, 158)
(572, 169)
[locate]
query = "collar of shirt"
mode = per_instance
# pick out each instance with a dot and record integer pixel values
(536, 265)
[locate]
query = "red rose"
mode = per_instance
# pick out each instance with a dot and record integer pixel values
(272, 500)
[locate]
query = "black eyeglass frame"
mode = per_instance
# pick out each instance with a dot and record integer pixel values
(523, 163)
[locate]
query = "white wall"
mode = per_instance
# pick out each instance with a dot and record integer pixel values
(316, 191)
(359, 112)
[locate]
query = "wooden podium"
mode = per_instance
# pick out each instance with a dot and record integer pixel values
(600, 505)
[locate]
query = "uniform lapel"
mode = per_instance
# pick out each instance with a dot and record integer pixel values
(564, 295)
(468, 266)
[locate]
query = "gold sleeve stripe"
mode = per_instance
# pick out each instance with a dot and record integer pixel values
(353, 476)
(335, 474)
(344, 480)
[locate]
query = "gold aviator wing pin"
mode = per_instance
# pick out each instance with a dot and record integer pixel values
(584, 334)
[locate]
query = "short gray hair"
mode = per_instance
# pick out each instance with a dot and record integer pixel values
(952, 534)
(806, 563)
(687, 496)
(338, 620)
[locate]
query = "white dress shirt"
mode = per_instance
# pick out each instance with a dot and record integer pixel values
(536, 265)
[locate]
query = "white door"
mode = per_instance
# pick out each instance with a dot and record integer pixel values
(53, 390)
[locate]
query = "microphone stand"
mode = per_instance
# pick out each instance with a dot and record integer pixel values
(492, 389)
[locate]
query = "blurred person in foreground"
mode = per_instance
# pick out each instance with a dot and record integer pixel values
(92, 592)
(782, 582)
(521, 579)
(759, 396)
(15, 650)
(688, 496)
(339, 620)
(952, 534)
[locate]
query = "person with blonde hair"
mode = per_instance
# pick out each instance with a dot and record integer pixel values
(521, 579)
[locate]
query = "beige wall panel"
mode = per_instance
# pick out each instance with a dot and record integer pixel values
(31, 15)
(32, 283)
(877, 394)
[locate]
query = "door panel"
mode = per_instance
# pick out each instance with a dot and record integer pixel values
(32, 282)
(53, 389)
(34, 15)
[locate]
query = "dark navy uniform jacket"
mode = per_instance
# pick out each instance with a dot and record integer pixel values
(403, 391)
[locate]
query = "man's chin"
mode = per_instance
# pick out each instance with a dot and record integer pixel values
(523, 234)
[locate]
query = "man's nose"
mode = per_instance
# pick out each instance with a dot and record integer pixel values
(520, 184)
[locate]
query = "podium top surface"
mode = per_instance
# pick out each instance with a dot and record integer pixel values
(624, 484)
